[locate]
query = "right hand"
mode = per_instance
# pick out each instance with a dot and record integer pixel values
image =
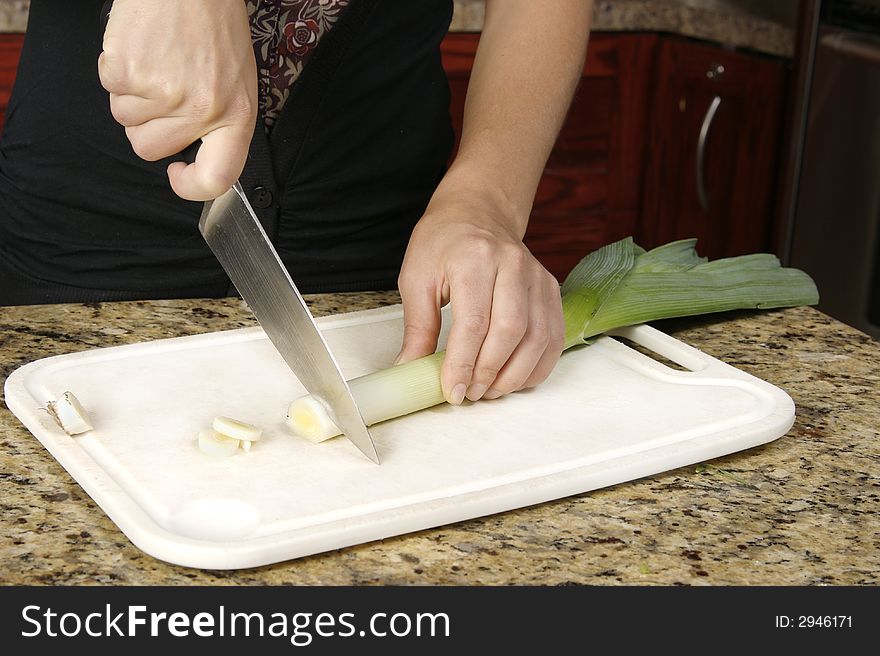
(178, 72)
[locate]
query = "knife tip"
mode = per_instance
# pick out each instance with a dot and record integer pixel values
(373, 456)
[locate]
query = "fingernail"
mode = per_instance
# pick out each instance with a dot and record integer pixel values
(475, 392)
(458, 393)
(493, 394)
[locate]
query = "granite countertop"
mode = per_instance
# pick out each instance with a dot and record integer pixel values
(730, 22)
(800, 510)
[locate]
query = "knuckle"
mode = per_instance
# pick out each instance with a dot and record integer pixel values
(144, 147)
(538, 332)
(462, 367)
(243, 108)
(506, 384)
(411, 284)
(216, 183)
(539, 326)
(111, 74)
(119, 113)
(202, 107)
(416, 332)
(207, 107)
(510, 327)
(476, 323)
(538, 342)
(482, 249)
(517, 256)
(486, 372)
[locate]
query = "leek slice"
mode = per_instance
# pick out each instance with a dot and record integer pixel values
(69, 414)
(217, 444)
(237, 429)
(617, 285)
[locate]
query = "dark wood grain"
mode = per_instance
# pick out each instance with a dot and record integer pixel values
(10, 51)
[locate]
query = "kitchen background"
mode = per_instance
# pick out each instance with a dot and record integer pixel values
(694, 119)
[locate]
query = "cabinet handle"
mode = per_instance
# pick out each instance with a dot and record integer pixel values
(701, 151)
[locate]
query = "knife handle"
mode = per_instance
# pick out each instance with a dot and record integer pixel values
(188, 154)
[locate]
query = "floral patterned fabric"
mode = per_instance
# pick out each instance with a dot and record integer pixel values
(285, 34)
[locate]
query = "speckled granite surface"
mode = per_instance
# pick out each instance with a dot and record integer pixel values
(723, 22)
(704, 19)
(801, 510)
(13, 15)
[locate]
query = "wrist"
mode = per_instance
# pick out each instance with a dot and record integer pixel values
(475, 185)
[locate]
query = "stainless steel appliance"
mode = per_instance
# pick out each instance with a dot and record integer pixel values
(834, 233)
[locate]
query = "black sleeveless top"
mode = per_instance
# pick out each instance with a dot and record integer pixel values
(345, 174)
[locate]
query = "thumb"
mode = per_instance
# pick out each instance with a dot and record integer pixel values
(218, 164)
(421, 322)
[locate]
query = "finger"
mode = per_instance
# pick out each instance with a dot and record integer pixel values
(421, 318)
(131, 111)
(110, 74)
(556, 327)
(509, 320)
(471, 299)
(528, 352)
(114, 76)
(161, 137)
(218, 165)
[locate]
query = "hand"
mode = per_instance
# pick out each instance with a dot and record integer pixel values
(178, 72)
(507, 328)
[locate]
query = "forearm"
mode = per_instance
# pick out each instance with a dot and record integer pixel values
(527, 66)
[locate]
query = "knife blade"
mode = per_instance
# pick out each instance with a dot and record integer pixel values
(235, 235)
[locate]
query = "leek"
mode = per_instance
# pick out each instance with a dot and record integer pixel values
(617, 285)
(69, 414)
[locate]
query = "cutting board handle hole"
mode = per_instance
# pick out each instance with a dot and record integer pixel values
(657, 357)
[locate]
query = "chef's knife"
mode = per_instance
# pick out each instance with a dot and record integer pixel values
(239, 242)
(236, 236)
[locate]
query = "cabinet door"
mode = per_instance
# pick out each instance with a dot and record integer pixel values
(713, 152)
(590, 193)
(10, 50)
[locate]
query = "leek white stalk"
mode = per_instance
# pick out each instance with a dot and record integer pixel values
(69, 413)
(617, 285)
(381, 395)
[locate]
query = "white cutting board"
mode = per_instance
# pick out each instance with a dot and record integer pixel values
(607, 414)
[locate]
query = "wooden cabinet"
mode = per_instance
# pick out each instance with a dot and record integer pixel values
(590, 193)
(10, 48)
(714, 144)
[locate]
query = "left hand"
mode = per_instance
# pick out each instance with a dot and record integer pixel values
(507, 328)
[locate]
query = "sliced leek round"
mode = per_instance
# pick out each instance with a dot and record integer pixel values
(308, 418)
(217, 444)
(237, 429)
